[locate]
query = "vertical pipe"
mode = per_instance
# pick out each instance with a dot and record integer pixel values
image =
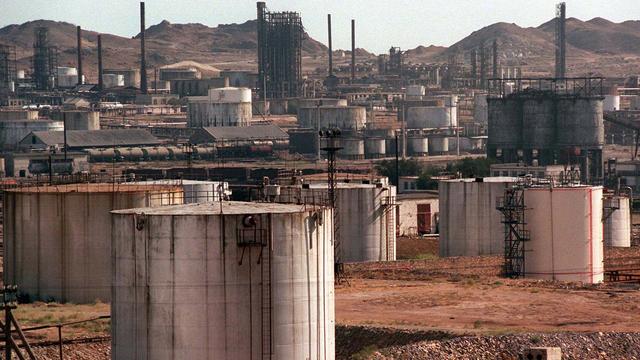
(100, 83)
(495, 58)
(64, 127)
(261, 42)
(330, 45)
(79, 36)
(143, 62)
(560, 40)
(397, 166)
(483, 67)
(353, 50)
(60, 341)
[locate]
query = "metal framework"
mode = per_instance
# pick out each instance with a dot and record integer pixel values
(7, 65)
(512, 208)
(575, 86)
(561, 44)
(332, 148)
(45, 60)
(280, 36)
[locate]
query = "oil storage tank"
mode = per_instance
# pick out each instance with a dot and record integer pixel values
(617, 226)
(375, 147)
(341, 117)
(223, 281)
(429, 117)
(565, 227)
(57, 239)
(365, 217)
(470, 225)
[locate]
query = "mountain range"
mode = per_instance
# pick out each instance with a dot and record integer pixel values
(596, 46)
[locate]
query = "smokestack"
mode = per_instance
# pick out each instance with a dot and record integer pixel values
(330, 46)
(495, 58)
(561, 46)
(100, 83)
(143, 62)
(79, 35)
(353, 49)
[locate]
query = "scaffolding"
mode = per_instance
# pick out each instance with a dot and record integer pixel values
(44, 61)
(280, 36)
(7, 66)
(516, 235)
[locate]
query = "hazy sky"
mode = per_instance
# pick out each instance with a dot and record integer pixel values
(379, 23)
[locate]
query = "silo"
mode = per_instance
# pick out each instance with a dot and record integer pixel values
(418, 145)
(296, 104)
(505, 127)
(342, 117)
(374, 148)
(79, 119)
(438, 145)
(538, 123)
(617, 226)
(58, 238)
(580, 122)
(365, 217)
(565, 226)
(611, 102)
(470, 225)
(226, 281)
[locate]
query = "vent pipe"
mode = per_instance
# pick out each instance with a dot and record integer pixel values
(143, 61)
(330, 45)
(100, 83)
(79, 35)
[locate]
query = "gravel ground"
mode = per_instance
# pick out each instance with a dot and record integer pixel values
(605, 346)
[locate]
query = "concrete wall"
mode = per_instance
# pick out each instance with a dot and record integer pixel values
(565, 226)
(470, 225)
(180, 292)
(57, 244)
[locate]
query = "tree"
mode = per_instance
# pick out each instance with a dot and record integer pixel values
(409, 167)
(472, 168)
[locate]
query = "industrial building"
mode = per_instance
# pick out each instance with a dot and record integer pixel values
(85, 139)
(221, 272)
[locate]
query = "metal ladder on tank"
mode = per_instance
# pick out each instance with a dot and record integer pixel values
(265, 261)
(389, 206)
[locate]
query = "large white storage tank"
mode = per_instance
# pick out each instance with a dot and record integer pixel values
(611, 103)
(617, 226)
(470, 224)
(565, 226)
(57, 239)
(342, 117)
(223, 281)
(221, 107)
(424, 117)
(365, 217)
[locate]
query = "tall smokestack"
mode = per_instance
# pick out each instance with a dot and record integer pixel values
(353, 49)
(143, 62)
(495, 58)
(561, 46)
(79, 35)
(330, 46)
(100, 83)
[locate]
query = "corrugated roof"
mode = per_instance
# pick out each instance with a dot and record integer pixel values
(247, 132)
(98, 138)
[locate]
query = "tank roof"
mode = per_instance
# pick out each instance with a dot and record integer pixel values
(493, 179)
(95, 188)
(228, 208)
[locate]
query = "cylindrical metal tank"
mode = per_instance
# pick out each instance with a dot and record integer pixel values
(295, 104)
(103, 155)
(57, 239)
(504, 131)
(617, 226)
(352, 148)
(565, 226)
(155, 153)
(12, 131)
(438, 145)
(415, 90)
(79, 119)
(130, 154)
(424, 117)
(223, 281)
(203, 113)
(611, 102)
(342, 117)
(418, 146)
(470, 225)
(374, 148)
(480, 110)
(580, 122)
(538, 122)
(365, 217)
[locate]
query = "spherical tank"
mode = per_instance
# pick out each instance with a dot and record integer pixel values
(580, 122)
(223, 281)
(617, 226)
(566, 241)
(58, 239)
(538, 123)
(470, 225)
(374, 148)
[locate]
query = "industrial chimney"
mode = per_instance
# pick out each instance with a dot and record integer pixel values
(100, 83)
(330, 46)
(79, 35)
(353, 49)
(143, 62)
(561, 46)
